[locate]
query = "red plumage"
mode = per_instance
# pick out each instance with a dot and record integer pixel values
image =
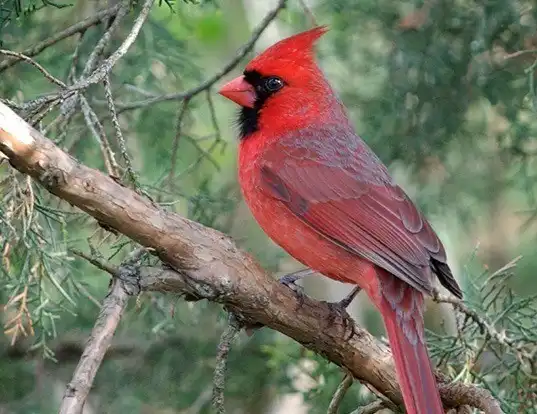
(319, 192)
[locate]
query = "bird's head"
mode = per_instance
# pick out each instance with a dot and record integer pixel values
(281, 87)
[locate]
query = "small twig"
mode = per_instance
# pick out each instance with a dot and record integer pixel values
(175, 147)
(519, 53)
(135, 256)
(69, 105)
(40, 113)
(104, 41)
(219, 378)
(99, 263)
(241, 53)
(214, 122)
(32, 62)
(309, 13)
(71, 76)
(371, 408)
(202, 154)
(101, 336)
(105, 67)
(333, 407)
(64, 34)
(459, 305)
(97, 129)
(119, 135)
(11, 104)
(35, 105)
(212, 112)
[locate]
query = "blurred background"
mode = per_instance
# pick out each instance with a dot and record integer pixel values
(443, 91)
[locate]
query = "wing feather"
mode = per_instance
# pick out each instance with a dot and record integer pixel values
(349, 198)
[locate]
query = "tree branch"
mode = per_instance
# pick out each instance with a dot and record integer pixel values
(32, 62)
(78, 389)
(208, 265)
(122, 286)
(371, 408)
(102, 70)
(64, 34)
(219, 378)
(345, 384)
(241, 53)
(99, 74)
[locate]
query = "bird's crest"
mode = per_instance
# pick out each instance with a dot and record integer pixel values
(294, 50)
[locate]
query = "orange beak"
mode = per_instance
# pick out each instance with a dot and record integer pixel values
(239, 91)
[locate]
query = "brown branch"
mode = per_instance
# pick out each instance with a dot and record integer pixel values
(219, 378)
(519, 53)
(78, 389)
(208, 265)
(371, 408)
(64, 34)
(345, 384)
(101, 336)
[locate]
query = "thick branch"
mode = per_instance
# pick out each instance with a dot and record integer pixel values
(209, 265)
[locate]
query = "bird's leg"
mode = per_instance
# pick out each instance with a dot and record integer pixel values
(346, 301)
(290, 280)
(340, 309)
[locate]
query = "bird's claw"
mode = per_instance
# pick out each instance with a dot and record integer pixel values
(290, 280)
(337, 310)
(340, 309)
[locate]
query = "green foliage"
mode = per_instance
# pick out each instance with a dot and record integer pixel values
(443, 91)
(13, 10)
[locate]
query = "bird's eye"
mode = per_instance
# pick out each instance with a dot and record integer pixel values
(273, 84)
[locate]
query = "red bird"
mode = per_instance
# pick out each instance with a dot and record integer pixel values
(319, 192)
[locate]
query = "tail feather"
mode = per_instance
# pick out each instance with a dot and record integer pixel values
(402, 310)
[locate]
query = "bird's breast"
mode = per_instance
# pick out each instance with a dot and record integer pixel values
(292, 234)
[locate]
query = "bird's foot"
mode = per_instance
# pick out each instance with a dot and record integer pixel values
(337, 311)
(340, 309)
(290, 280)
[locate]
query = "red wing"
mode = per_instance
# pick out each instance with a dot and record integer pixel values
(372, 219)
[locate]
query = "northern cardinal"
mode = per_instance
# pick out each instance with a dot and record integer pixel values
(319, 192)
